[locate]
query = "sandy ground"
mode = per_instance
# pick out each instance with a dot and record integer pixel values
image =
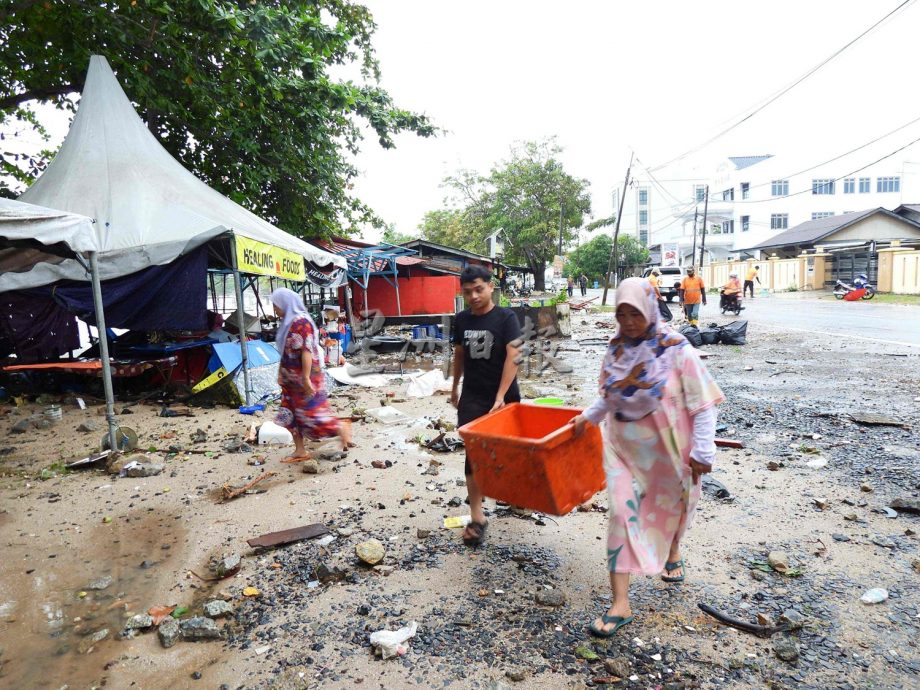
(475, 608)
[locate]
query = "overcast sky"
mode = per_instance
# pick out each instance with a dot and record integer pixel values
(658, 77)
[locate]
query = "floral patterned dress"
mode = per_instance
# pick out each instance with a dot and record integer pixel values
(647, 462)
(310, 417)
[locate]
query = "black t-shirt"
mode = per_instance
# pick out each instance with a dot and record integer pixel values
(483, 339)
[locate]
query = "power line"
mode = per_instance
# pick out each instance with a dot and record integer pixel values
(785, 90)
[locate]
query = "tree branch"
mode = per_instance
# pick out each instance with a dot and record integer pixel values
(42, 94)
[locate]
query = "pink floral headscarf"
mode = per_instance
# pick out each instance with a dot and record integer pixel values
(634, 372)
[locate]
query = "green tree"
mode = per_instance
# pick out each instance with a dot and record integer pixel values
(393, 236)
(592, 258)
(250, 96)
(453, 228)
(533, 200)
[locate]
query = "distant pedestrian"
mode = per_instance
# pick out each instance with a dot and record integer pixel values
(583, 282)
(749, 280)
(692, 293)
(570, 285)
(654, 280)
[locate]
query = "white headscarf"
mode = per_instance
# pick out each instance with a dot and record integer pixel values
(290, 303)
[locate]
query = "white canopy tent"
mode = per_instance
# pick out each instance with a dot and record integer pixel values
(148, 209)
(31, 234)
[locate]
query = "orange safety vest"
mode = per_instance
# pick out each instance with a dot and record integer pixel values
(693, 289)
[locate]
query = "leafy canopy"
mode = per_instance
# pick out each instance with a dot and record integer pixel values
(528, 197)
(592, 258)
(248, 95)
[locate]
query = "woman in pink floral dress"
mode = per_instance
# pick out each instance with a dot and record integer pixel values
(305, 407)
(659, 403)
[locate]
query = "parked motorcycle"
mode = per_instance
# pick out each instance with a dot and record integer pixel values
(860, 289)
(730, 302)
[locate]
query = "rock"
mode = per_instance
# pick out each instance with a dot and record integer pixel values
(883, 541)
(384, 570)
(786, 649)
(875, 595)
(168, 632)
(370, 551)
(200, 436)
(226, 565)
(906, 505)
(345, 531)
(21, 427)
(763, 619)
(87, 645)
(455, 502)
(517, 675)
(773, 466)
(199, 628)
(521, 512)
(88, 426)
(310, 466)
(101, 583)
(325, 574)
(422, 533)
(866, 488)
(139, 622)
(816, 463)
(586, 653)
(779, 561)
(915, 564)
(840, 537)
(618, 666)
(851, 517)
(217, 608)
(498, 685)
(793, 618)
(144, 469)
(820, 503)
(379, 464)
(550, 597)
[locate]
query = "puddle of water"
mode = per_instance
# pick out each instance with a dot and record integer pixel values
(46, 626)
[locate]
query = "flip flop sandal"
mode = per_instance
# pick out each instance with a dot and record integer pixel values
(292, 459)
(674, 565)
(618, 622)
(479, 532)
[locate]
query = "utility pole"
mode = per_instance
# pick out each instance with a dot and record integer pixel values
(611, 264)
(696, 212)
(705, 213)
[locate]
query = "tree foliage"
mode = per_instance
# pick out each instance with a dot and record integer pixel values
(592, 258)
(393, 236)
(527, 197)
(248, 95)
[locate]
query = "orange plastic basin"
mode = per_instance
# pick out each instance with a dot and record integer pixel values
(527, 455)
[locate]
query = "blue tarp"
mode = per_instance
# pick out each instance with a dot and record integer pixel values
(229, 356)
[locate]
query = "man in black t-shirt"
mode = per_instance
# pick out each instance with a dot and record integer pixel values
(486, 342)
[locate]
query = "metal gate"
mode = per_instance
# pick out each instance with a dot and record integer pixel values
(846, 265)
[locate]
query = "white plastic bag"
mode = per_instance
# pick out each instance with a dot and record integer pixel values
(424, 385)
(390, 643)
(270, 432)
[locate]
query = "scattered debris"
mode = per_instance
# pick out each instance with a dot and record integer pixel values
(168, 632)
(101, 583)
(289, 536)
(872, 419)
(217, 608)
(762, 630)
(779, 561)
(389, 643)
(715, 488)
(786, 649)
(226, 566)
(199, 628)
(228, 492)
(728, 443)
(876, 595)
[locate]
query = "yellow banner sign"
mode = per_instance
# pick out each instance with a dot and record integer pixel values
(267, 260)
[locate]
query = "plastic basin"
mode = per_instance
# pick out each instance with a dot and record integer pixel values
(528, 455)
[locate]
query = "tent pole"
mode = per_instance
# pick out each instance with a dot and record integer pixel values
(104, 352)
(241, 315)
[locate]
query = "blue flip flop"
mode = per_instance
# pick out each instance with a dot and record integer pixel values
(674, 565)
(618, 622)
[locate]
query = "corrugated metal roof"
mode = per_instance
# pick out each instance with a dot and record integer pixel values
(812, 231)
(742, 162)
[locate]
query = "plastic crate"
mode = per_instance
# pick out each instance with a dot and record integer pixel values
(528, 455)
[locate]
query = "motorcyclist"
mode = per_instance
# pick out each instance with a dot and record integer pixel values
(731, 291)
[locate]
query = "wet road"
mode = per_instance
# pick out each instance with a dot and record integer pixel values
(892, 324)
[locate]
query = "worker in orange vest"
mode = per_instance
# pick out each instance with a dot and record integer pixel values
(692, 294)
(749, 280)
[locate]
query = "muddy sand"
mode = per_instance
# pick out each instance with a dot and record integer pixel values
(809, 482)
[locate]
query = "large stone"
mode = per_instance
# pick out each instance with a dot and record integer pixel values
(169, 632)
(618, 667)
(101, 583)
(145, 467)
(786, 649)
(88, 426)
(906, 505)
(226, 565)
(88, 644)
(217, 608)
(139, 622)
(792, 618)
(371, 551)
(21, 427)
(199, 628)
(779, 561)
(550, 597)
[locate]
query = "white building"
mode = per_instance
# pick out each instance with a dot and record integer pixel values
(753, 198)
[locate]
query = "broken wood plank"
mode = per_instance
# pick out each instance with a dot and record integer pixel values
(728, 443)
(230, 492)
(89, 460)
(289, 536)
(761, 630)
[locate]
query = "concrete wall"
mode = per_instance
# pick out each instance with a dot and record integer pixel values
(878, 227)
